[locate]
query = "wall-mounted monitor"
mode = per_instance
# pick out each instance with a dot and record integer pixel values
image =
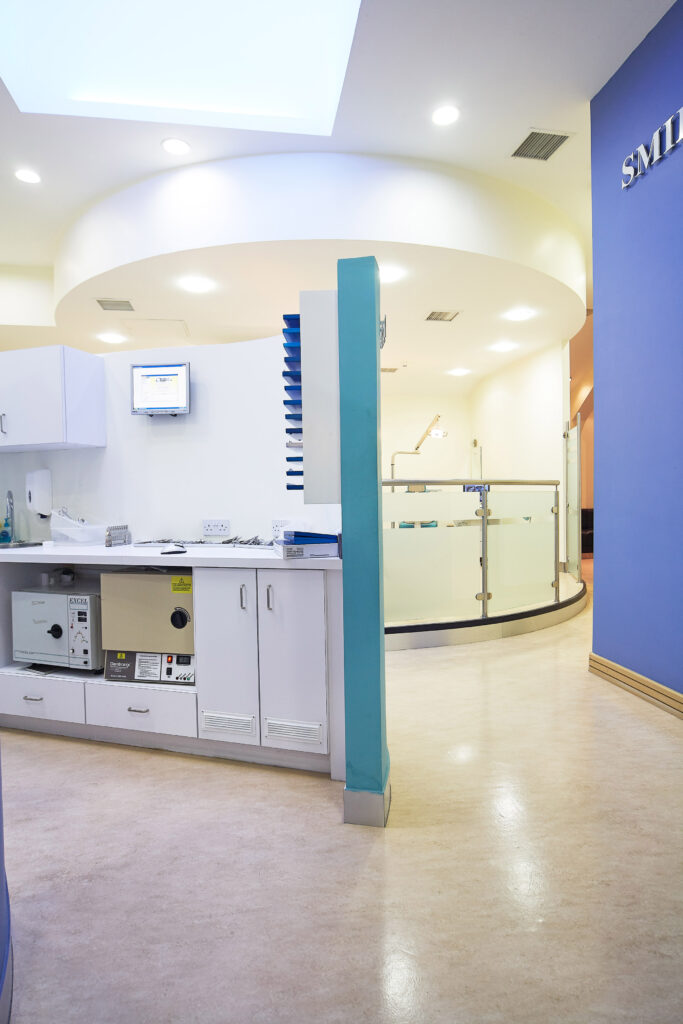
(160, 389)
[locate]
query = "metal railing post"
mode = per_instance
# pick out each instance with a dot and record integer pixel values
(484, 555)
(556, 511)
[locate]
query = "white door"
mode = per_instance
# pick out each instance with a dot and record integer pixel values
(226, 654)
(31, 397)
(292, 659)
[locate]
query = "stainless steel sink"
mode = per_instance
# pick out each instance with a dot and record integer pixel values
(22, 544)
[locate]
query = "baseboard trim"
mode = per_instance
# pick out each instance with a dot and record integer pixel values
(663, 697)
(364, 808)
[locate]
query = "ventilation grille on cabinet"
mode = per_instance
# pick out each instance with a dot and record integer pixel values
(442, 316)
(301, 732)
(118, 305)
(245, 724)
(540, 145)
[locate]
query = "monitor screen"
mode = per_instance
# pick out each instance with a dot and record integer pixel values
(160, 389)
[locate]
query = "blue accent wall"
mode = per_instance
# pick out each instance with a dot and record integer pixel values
(367, 756)
(638, 354)
(5, 933)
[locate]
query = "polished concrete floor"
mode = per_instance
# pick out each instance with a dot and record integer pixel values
(530, 872)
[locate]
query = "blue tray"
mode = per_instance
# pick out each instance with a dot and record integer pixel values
(292, 334)
(292, 319)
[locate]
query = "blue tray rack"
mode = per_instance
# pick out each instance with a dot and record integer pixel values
(292, 401)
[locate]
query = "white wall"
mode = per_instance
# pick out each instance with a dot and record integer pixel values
(404, 420)
(163, 475)
(516, 416)
(26, 296)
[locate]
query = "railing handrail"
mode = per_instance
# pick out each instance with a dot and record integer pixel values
(457, 483)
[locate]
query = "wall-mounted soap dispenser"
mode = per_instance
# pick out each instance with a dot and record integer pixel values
(39, 492)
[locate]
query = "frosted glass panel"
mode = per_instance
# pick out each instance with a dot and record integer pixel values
(428, 506)
(521, 550)
(573, 503)
(431, 574)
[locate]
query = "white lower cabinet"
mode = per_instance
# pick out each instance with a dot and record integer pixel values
(226, 654)
(292, 659)
(261, 657)
(261, 670)
(60, 700)
(145, 708)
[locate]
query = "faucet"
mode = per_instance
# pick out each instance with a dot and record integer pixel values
(9, 515)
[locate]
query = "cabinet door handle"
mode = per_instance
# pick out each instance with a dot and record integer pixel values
(139, 711)
(2, 423)
(269, 597)
(36, 699)
(243, 597)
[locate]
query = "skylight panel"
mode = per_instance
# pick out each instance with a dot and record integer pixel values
(265, 65)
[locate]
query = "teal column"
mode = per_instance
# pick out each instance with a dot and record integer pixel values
(367, 794)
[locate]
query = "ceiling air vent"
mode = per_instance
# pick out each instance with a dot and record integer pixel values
(540, 145)
(118, 305)
(442, 316)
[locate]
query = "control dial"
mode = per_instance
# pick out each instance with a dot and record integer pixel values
(180, 618)
(55, 631)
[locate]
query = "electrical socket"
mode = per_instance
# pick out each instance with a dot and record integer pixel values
(279, 526)
(216, 527)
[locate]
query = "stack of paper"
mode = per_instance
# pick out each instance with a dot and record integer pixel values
(302, 544)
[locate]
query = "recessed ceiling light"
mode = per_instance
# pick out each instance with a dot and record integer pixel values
(443, 116)
(27, 176)
(112, 337)
(519, 313)
(503, 346)
(196, 284)
(178, 147)
(388, 273)
(459, 371)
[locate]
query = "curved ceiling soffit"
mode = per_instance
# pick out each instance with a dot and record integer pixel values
(296, 197)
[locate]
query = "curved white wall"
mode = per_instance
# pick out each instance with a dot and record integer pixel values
(319, 196)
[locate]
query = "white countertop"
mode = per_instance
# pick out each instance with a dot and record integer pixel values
(209, 555)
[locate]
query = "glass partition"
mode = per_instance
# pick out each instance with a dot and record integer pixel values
(521, 550)
(459, 550)
(574, 500)
(432, 548)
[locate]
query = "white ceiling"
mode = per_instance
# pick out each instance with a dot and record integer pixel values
(258, 282)
(508, 66)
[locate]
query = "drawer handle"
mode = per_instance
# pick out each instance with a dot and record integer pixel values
(139, 711)
(36, 699)
(243, 597)
(269, 598)
(2, 422)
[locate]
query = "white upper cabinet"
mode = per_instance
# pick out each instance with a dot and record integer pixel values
(51, 398)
